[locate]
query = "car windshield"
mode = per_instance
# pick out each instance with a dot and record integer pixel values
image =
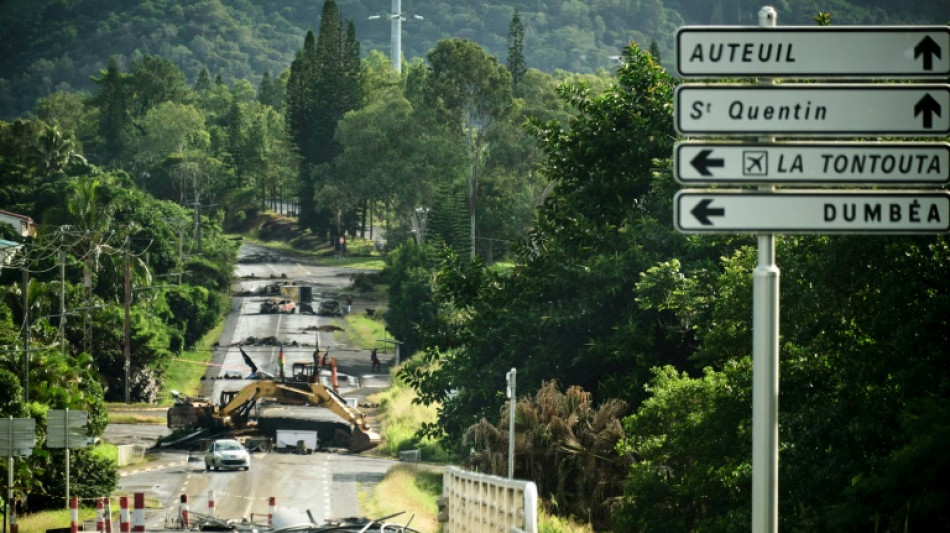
(224, 446)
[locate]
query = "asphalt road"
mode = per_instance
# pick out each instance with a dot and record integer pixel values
(326, 484)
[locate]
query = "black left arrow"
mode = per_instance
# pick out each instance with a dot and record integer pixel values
(927, 106)
(927, 48)
(703, 163)
(702, 212)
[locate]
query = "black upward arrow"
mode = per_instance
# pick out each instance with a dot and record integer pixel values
(927, 48)
(703, 163)
(702, 212)
(927, 106)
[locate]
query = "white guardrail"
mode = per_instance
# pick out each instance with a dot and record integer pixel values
(477, 503)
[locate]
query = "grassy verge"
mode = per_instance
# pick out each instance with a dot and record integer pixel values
(118, 417)
(40, 522)
(406, 489)
(548, 523)
(184, 373)
(401, 419)
(362, 330)
(367, 257)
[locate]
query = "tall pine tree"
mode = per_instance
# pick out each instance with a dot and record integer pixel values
(324, 83)
(111, 98)
(516, 65)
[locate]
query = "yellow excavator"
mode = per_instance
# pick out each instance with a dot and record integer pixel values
(302, 388)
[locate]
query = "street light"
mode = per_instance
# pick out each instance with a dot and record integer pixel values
(396, 16)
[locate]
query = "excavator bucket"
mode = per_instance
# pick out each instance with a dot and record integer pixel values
(362, 441)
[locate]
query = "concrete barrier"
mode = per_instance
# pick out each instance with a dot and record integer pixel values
(129, 453)
(410, 456)
(478, 502)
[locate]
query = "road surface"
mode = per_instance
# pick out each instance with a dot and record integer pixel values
(326, 484)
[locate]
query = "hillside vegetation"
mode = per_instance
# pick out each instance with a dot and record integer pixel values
(59, 44)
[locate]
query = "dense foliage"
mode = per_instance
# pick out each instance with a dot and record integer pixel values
(56, 44)
(607, 297)
(63, 294)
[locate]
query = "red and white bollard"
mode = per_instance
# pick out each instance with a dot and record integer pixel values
(184, 511)
(100, 518)
(74, 515)
(138, 517)
(272, 508)
(108, 515)
(124, 514)
(211, 502)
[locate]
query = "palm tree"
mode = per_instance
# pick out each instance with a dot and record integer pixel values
(564, 444)
(54, 151)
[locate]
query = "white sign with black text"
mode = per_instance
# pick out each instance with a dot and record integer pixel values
(819, 163)
(812, 211)
(813, 110)
(806, 51)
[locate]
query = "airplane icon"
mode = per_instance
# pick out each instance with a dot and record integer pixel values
(755, 163)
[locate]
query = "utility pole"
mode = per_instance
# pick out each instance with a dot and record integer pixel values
(26, 335)
(396, 17)
(128, 327)
(62, 303)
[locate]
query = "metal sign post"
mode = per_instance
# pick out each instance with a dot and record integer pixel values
(19, 438)
(512, 378)
(768, 109)
(66, 429)
(765, 361)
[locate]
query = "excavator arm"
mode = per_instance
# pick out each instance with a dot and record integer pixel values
(235, 411)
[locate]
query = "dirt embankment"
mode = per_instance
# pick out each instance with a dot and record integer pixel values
(274, 227)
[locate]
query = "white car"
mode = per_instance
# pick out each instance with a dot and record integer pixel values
(227, 453)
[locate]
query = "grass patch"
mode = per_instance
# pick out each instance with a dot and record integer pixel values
(406, 488)
(40, 522)
(109, 452)
(184, 372)
(118, 417)
(401, 418)
(363, 330)
(549, 523)
(364, 255)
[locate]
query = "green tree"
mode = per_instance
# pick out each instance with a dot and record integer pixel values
(112, 100)
(153, 80)
(516, 64)
(269, 92)
(469, 90)
(568, 311)
(203, 83)
(54, 151)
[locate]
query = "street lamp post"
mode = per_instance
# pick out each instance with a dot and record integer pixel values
(396, 16)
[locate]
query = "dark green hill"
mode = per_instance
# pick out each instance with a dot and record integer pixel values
(58, 44)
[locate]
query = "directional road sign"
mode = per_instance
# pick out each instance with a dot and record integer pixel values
(17, 436)
(66, 428)
(813, 110)
(807, 51)
(820, 163)
(803, 211)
